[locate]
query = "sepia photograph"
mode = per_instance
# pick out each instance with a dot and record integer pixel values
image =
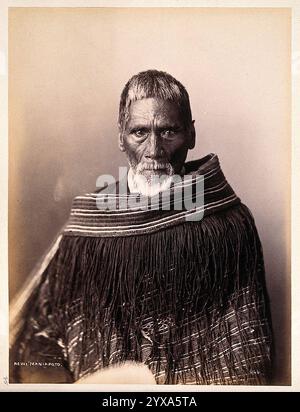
(149, 195)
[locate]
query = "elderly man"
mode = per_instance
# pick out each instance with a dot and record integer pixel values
(177, 288)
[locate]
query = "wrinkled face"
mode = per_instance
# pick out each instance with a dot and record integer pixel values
(155, 139)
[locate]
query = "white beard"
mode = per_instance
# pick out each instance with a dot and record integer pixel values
(138, 183)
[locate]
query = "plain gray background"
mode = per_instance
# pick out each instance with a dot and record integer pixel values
(67, 68)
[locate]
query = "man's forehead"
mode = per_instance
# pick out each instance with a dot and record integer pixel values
(149, 108)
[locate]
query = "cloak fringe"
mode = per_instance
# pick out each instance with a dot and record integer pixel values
(181, 281)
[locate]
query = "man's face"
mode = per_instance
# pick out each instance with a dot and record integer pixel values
(155, 139)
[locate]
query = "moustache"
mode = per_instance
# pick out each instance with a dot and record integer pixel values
(153, 165)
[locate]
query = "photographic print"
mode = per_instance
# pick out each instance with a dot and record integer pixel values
(149, 195)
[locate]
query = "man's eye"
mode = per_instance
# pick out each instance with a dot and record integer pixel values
(140, 132)
(168, 133)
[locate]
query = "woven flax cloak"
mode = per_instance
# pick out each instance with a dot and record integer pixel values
(186, 298)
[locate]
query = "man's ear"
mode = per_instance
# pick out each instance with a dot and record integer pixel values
(192, 139)
(121, 140)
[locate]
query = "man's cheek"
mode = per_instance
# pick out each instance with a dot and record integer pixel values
(138, 153)
(134, 153)
(172, 153)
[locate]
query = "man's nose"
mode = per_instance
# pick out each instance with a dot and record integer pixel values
(154, 150)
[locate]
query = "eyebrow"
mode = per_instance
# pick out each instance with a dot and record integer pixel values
(138, 126)
(169, 125)
(160, 127)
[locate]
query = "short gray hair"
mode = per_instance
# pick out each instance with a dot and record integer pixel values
(156, 84)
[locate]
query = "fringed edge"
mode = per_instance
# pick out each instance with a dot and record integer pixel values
(115, 286)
